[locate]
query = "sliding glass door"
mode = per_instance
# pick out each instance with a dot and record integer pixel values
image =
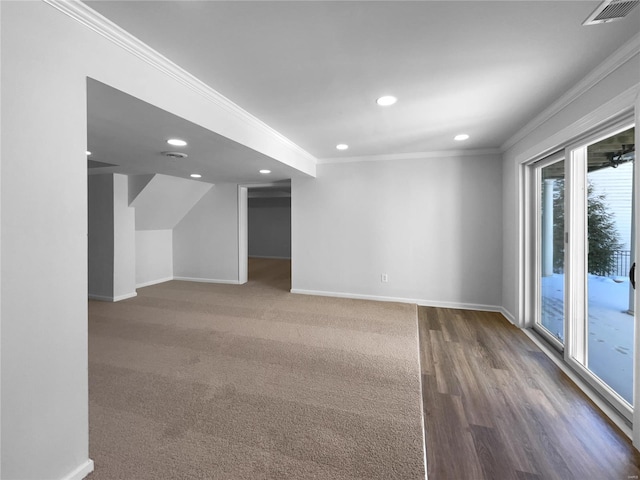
(584, 236)
(609, 323)
(549, 319)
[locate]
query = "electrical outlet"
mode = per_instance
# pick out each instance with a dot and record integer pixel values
(384, 278)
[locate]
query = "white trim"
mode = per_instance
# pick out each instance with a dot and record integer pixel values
(106, 298)
(207, 280)
(81, 471)
(380, 298)
(270, 257)
(508, 315)
(613, 62)
(411, 156)
(607, 409)
(636, 219)
(605, 113)
(266, 184)
(125, 296)
(461, 306)
(154, 282)
(100, 298)
(88, 17)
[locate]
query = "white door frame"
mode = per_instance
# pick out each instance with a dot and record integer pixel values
(243, 227)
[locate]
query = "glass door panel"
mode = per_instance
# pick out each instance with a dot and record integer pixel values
(550, 258)
(610, 232)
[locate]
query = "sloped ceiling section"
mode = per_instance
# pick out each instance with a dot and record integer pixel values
(137, 184)
(165, 200)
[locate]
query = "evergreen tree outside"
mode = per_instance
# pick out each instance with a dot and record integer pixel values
(604, 239)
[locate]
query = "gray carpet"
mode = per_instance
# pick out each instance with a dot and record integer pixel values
(205, 381)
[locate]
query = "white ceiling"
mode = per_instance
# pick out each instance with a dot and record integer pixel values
(313, 69)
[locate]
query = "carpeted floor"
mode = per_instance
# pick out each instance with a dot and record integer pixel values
(206, 381)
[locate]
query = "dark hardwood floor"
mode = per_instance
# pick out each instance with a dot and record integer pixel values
(497, 408)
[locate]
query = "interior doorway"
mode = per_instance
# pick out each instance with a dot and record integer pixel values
(265, 250)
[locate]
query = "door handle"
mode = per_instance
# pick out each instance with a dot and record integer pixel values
(632, 275)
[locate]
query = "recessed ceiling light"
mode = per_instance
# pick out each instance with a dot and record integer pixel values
(386, 100)
(342, 146)
(265, 171)
(462, 136)
(176, 142)
(196, 175)
(88, 153)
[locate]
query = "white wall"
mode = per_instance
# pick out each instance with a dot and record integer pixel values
(124, 241)
(205, 242)
(432, 225)
(112, 260)
(160, 202)
(44, 249)
(270, 227)
(100, 237)
(164, 201)
(46, 59)
(154, 256)
(607, 98)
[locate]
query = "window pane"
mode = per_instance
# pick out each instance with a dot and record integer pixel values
(610, 328)
(551, 257)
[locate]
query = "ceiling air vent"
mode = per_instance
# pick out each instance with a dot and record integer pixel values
(175, 154)
(610, 10)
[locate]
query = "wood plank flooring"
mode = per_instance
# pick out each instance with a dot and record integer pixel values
(497, 408)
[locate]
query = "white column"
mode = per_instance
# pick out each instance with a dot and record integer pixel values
(243, 235)
(547, 228)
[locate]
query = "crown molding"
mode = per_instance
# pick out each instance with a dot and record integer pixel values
(91, 19)
(618, 108)
(412, 156)
(613, 62)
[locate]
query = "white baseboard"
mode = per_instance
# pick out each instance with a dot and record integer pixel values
(105, 298)
(508, 315)
(460, 306)
(207, 280)
(82, 471)
(418, 301)
(125, 296)
(154, 282)
(101, 298)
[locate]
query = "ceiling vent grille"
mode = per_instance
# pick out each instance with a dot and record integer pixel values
(610, 10)
(175, 154)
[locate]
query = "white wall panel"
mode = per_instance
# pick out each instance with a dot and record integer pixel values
(434, 226)
(205, 242)
(154, 256)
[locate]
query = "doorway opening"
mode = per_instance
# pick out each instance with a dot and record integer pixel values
(268, 234)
